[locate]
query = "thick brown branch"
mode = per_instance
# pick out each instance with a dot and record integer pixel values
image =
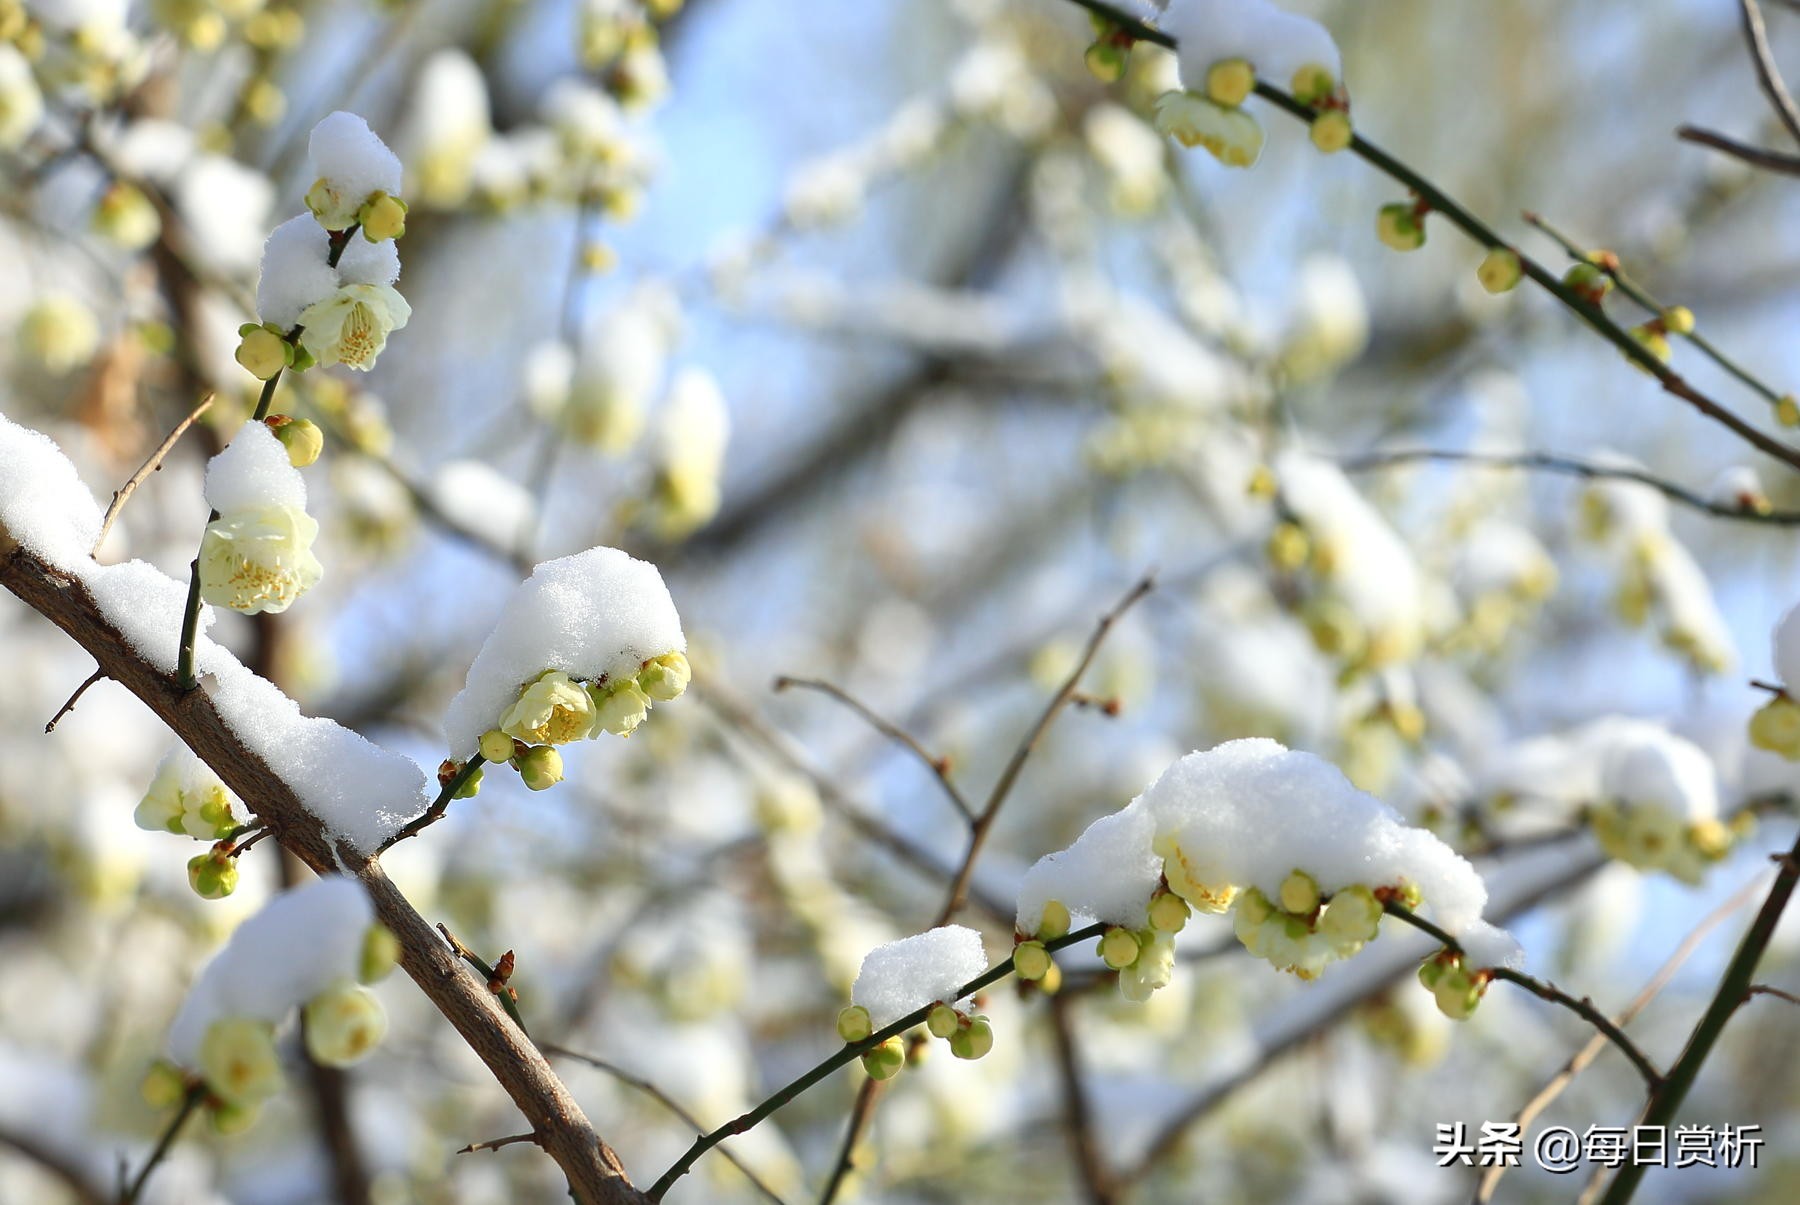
(594, 1172)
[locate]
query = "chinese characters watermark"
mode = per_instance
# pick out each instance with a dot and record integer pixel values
(1560, 1149)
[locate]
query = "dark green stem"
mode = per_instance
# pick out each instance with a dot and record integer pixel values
(851, 1051)
(435, 812)
(189, 1103)
(1583, 1007)
(1734, 989)
(190, 616)
(1480, 232)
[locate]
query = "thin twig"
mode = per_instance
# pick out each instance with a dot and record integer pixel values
(502, 992)
(1077, 1114)
(849, 1052)
(150, 465)
(1763, 989)
(164, 1144)
(1755, 156)
(861, 1111)
(1767, 74)
(1583, 1007)
(1609, 264)
(69, 704)
(939, 766)
(666, 1101)
(438, 807)
(494, 1144)
(1665, 1101)
(1435, 198)
(1579, 1062)
(1569, 466)
(984, 820)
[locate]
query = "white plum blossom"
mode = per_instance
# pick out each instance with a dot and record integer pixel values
(257, 555)
(186, 797)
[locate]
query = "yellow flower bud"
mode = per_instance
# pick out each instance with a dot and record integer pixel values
(213, 876)
(1288, 547)
(1299, 893)
(541, 767)
(1055, 921)
(1653, 341)
(1332, 132)
(1229, 82)
(1312, 84)
(300, 436)
(1106, 62)
(1399, 226)
(262, 352)
(496, 746)
(380, 954)
(1588, 282)
(1776, 727)
(943, 1020)
(1678, 320)
(853, 1023)
(1118, 948)
(1500, 271)
(884, 1061)
(164, 1086)
(343, 1025)
(383, 217)
(1031, 961)
(666, 677)
(238, 1060)
(1051, 983)
(1787, 411)
(1168, 912)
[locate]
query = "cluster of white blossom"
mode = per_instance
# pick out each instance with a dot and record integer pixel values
(314, 947)
(585, 645)
(1304, 861)
(1658, 579)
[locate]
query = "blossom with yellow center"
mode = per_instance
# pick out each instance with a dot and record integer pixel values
(259, 560)
(352, 325)
(1233, 136)
(238, 1059)
(553, 709)
(344, 1024)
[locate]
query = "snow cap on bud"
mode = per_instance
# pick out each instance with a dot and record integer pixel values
(353, 165)
(213, 876)
(853, 1023)
(541, 767)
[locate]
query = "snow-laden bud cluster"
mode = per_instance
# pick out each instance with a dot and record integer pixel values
(257, 555)
(306, 948)
(1304, 860)
(1364, 599)
(585, 645)
(1650, 796)
(1658, 579)
(1501, 572)
(346, 311)
(187, 798)
(690, 454)
(448, 123)
(1776, 725)
(1225, 46)
(357, 179)
(904, 976)
(598, 396)
(84, 50)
